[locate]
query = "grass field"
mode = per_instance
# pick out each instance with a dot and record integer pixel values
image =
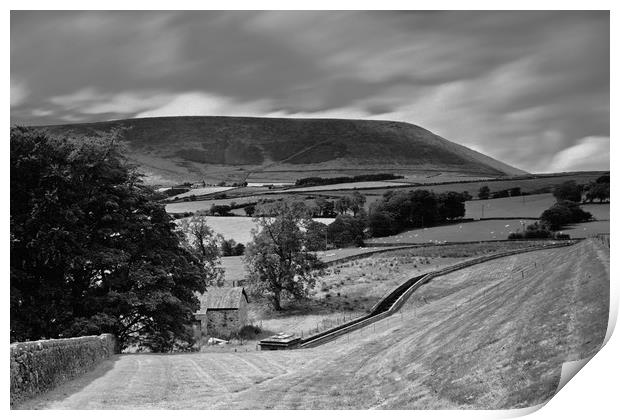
(239, 228)
(479, 338)
(351, 186)
(201, 191)
(483, 230)
(346, 291)
(352, 288)
(502, 207)
(524, 206)
(526, 185)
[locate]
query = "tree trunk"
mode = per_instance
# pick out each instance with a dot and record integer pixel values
(276, 301)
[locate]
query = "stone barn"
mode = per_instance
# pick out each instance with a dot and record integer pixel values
(223, 311)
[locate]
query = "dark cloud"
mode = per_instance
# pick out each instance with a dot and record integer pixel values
(525, 87)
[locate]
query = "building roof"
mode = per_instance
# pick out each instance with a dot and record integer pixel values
(222, 298)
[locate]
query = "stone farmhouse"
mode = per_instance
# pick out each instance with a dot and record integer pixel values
(223, 311)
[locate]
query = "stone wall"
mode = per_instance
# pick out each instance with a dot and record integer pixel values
(38, 366)
(223, 321)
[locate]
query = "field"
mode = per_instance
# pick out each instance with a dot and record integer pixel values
(204, 205)
(529, 185)
(201, 191)
(530, 206)
(483, 230)
(347, 291)
(480, 338)
(351, 288)
(239, 228)
(234, 269)
(351, 186)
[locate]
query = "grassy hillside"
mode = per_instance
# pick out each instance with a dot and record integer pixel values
(240, 147)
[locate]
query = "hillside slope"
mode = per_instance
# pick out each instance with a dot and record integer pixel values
(233, 147)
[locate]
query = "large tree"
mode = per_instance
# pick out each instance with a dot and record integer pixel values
(205, 244)
(597, 191)
(91, 250)
(568, 191)
(278, 262)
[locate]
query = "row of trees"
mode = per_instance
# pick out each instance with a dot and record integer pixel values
(345, 179)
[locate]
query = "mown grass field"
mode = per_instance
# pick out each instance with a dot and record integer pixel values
(479, 338)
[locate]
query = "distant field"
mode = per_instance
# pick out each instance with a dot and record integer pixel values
(483, 230)
(234, 269)
(526, 185)
(203, 205)
(524, 206)
(239, 228)
(350, 186)
(374, 194)
(201, 191)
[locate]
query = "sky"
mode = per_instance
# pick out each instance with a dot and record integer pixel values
(528, 88)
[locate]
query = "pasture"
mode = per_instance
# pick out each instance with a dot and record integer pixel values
(529, 185)
(200, 192)
(482, 230)
(480, 338)
(346, 291)
(351, 186)
(239, 228)
(530, 206)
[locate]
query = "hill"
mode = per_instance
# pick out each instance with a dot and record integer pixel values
(173, 149)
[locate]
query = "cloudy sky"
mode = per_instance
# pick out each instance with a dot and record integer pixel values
(528, 88)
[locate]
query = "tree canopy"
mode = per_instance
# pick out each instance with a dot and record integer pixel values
(279, 264)
(91, 250)
(398, 211)
(568, 191)
(564, 213)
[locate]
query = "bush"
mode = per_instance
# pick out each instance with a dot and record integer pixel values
(484, 192)
(248, 332)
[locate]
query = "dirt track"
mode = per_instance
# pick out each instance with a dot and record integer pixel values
(479, 338)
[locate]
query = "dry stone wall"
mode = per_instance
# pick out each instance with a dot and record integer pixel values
(38, 366)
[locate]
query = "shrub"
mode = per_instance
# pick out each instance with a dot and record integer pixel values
(248, 332)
